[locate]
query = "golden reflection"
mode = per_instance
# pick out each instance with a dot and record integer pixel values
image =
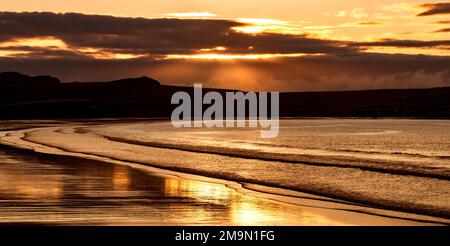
(249, 214)
(121, 177)
(254, 212)
(26, 185)
(198, 190)
(241, 209)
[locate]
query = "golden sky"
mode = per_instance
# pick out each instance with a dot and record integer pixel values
(251, 31)
(361, 20)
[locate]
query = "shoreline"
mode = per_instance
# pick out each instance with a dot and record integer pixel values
(342, 211)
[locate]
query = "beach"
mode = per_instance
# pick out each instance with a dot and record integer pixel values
(142, 172)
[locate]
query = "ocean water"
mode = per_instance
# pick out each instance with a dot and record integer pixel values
(399, 164)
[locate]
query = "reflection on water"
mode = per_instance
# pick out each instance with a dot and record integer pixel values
(61, 191)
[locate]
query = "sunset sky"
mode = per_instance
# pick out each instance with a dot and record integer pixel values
(284, 45)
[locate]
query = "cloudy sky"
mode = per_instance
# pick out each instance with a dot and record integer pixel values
(283, 45)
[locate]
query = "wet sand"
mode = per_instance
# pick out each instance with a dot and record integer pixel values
(38, 188)
(43, 185)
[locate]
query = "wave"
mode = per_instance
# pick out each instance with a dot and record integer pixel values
(399, 168)
(408, 154)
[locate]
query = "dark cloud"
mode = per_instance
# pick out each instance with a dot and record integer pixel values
(443, 30)
(404, 43)
(156, 36)
(435, 9)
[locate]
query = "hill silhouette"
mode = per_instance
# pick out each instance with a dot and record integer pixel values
(40, 97)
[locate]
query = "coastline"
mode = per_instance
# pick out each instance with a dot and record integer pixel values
(335, 212)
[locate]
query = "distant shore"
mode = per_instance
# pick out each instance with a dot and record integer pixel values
(46, 97)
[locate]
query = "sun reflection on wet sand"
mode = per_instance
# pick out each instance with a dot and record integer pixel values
(121, 177)
(84, 192)
(243, 209)
(80, 192)
(23, 187)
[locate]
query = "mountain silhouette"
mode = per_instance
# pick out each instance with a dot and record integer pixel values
(14, 79)
(39, 97)
(141, 81)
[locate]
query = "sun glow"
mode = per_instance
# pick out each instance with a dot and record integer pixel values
(12, 53)
(218, 48)
(261, 21)
(191, 15)
(106, 55)
(15, 47)
(255, 26)
(410, 51)
(216, 56)
(45, 42)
